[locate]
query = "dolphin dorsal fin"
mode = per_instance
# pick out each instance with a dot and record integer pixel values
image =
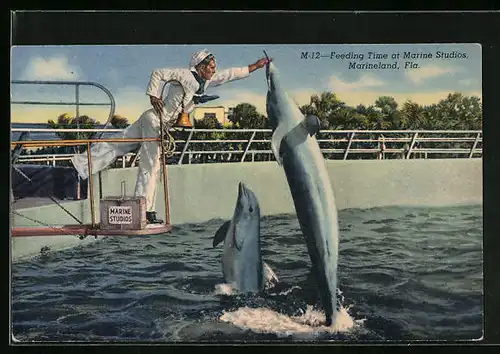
(221, 233)
(312, 124)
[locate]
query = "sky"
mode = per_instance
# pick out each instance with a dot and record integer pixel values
(125, 71)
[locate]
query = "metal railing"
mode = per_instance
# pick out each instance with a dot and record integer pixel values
(337, 144)
(240, 145)
(88, 142)
(77, 103)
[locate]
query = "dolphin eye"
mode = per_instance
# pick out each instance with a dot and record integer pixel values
(251, 209)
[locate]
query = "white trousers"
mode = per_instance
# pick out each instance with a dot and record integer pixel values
(103, 154)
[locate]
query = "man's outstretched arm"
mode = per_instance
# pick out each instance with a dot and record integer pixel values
(228, 75)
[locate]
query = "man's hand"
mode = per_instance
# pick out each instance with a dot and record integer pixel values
(258, 64)
(157, 104)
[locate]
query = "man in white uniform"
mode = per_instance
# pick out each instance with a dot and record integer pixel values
(183, 94)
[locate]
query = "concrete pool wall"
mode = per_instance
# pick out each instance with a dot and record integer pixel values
(201, 192)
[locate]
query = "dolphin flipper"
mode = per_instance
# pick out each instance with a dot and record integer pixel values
(278, 136)
(312, 124)
(269, 276)
(221, 233)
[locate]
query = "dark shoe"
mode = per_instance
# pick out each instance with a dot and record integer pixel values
(151, 218)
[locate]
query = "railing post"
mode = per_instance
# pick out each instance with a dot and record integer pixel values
(91, 186)
(415, 135)
(133, 158)
(248, 146)
(474, 145)
(185, 148)
(346, 152)
(78, 186)
(77, 101)
(382, 146)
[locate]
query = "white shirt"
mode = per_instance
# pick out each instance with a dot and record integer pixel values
(173, 99)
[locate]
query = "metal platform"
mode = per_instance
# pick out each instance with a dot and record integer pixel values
(151, 229)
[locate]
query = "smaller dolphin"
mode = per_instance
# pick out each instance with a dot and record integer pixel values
(242, 264)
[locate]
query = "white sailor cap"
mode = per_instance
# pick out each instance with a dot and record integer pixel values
(198, 57)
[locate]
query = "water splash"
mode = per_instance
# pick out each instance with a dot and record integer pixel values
(231, 289)
(225, 289)
(287, 291)
(309, 323)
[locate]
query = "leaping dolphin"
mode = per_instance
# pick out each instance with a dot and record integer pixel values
(296, 149)
(242, 263)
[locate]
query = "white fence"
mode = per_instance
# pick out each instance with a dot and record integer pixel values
(240, 145)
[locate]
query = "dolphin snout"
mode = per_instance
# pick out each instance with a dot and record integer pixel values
(242, 189)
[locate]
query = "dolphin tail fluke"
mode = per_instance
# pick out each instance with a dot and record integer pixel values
(268, 62)
(269, 68)
(221, 233)
(269, 276)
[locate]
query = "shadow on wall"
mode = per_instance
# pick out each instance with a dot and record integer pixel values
(47, 181)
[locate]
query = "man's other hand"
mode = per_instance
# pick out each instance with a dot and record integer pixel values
(157, 104)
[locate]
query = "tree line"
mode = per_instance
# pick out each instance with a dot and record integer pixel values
(455, 112)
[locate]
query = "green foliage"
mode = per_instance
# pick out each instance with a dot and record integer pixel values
(119, 122)
(457, 112)
(64, 121)
(454, 112)
(208, 122)
(327, 108)
(413, 116)
(245, 116)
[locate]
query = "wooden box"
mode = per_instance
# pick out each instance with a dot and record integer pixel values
(118, 213)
